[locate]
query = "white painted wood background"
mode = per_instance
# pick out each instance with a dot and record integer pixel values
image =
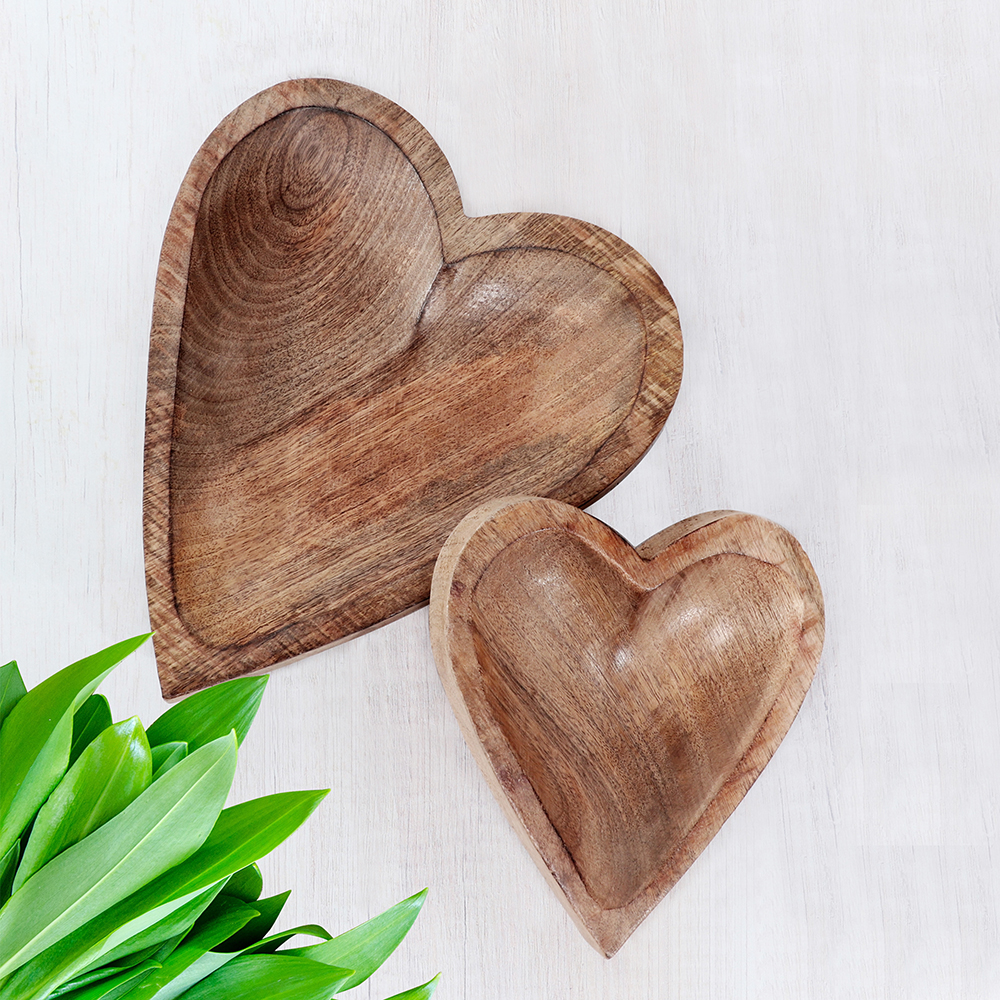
(817, 185)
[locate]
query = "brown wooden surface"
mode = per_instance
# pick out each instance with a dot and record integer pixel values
(621, 701)
(342, 364)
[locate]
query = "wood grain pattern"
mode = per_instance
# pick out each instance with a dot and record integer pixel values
(343, 364)
(621, 701)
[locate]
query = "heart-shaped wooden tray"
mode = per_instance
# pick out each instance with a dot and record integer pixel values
(343, 364)
(621, 701)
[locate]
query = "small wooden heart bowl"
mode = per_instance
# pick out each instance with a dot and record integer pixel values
(343, 364)
(621, 701)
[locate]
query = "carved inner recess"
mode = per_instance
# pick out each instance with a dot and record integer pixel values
(626, 708)
(344, 395)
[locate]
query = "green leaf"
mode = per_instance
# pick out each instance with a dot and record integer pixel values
(242, 834)
(166, 755)
(161, 828)
(211, 713)
(110, 773)
(221, 905)
(209, 961)
(12, 688)
(177, 922)
(106, 971)
(201, 963)
(91, 719)
(246, 884)
(195, 959)
(117, 986)
(268, 911)
(220, 912)
(8, 868)
(276, 977)
(65, 959)
(275, 941)
(369, 944)
(35, 737)
(418, 992)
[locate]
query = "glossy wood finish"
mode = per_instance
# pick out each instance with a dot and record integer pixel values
(621, 701)
(343, 364)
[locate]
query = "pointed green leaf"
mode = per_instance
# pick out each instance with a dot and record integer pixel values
(166, 755)
(8, 869)
(418, 992)
(276, 977)
(110, 773)
(117, 986)
(211, 713)
(195, 959)
(269, 911)
(367, 946)
(177, 922)
(35, 737)
(272, 943)
(86, 946)
(162, 827)
(91, 719)
(220, 912)
(12, 688)
(106, 971)
(221, 906)
(207, 962)
(242, 834)
(180, 980)
(246, 884)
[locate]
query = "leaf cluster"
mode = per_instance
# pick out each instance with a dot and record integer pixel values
(122, 875)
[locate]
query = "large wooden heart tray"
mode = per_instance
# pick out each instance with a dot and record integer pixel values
(343, 364)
